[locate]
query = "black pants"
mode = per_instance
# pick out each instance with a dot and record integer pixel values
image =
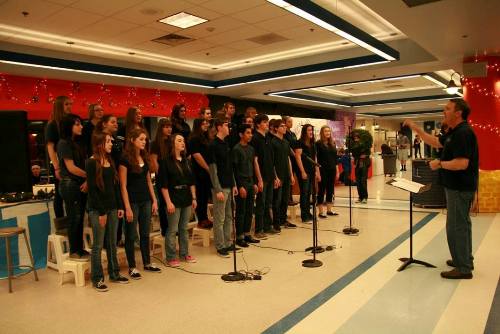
(417, 151)
(75, 202)
(362, 179)
(263, 204)
(280, 202)
(244, 211)
(203, 189)
(162, 210)
(326, 185)
(58, 200)
(305, 196)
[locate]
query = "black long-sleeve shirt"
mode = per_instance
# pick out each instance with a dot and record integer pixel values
(107, 199)
(264, 154)
(243, 158)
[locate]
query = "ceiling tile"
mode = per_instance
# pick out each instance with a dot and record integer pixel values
(238, 34)
(152, 10)
(185, 49)
(284, 22)
(62, 2)
(65, 22)
(105, 8)
(260, 13)
(209, 55)
(103, 29)
(203, 12)
(135, 36)
(212, 27)
(230, 7)
(152, 47)
(10, 12)
(243, 45)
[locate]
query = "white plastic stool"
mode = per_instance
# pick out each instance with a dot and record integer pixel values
(158, 242)
(205, 235)
(293, 211)
(64, 264)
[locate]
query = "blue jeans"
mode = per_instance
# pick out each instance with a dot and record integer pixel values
(361, 172)
(98, 231)
(305, 196)
(178, 222)
(263, 204)
(142, 216)
(280, 202)
(223, 219)
(459, 229)
(74, 201)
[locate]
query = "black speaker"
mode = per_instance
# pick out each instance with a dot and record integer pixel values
(15, 170)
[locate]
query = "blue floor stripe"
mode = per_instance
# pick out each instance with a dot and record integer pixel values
(493, 323)
(312, 304)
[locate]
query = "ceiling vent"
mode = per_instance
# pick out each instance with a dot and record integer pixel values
(415, 3)
(267, 39)
(173, 39)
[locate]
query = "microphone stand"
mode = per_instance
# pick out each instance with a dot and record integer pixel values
(312, 263)
(350, 230)
(234, 275)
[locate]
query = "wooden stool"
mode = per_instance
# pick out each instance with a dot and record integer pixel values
(6, 233)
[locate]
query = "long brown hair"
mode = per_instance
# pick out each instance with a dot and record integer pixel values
(100, 125)
(322, 139)
(171, 152)
(304, 137)
(130, 120)
(100, 156)
(129, 152)
(160, 137)
(58, 113)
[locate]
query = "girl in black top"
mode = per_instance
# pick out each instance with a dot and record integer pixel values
(71, 157)
(305, 150)
(177, 186)
(178, 118)
(159, 151)
(104, 207)
(95, 116)
(138, 198)
(327, 158)
(62, 106)
(198, 148)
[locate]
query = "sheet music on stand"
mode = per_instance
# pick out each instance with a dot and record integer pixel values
(408, 185)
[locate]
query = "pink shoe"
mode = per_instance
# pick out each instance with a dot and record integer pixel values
(190, 259)
(174, 263)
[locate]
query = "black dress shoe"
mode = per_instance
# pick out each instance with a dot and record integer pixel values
(322, 215)
(451, 264)
(332, 213)
(455, 274)
(242, 243)
(250, 240)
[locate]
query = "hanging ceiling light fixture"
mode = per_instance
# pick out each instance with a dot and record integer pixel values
(452, 88)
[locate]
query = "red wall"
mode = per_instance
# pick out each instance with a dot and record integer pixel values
(483, 96)
(35, 95)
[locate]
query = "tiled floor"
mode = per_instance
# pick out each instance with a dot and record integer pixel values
(357, 290)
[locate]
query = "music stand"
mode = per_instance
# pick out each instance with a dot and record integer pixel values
(412, 188)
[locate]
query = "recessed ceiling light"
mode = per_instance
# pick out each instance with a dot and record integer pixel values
(183, 20)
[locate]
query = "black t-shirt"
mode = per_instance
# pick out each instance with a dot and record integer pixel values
(199, 145)
(68, 149)
(117, 149)
(460, 142)
(220, 155)
(243, 158)
(307, 152)
(137, 183)
(264, 154)
(326, 155)
(52, 133)
(88, 130)
(107, 199)
(177, 177)
(182, 128)
(281, 152)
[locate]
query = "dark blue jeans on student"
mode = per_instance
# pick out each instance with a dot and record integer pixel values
(263, 204)
(280, 202)
(244, 211)
(74, 201)
(305, 196)
(98, 231)
(142, 216)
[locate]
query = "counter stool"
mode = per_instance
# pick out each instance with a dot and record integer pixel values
(6, 233)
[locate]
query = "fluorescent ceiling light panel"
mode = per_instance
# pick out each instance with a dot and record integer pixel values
(331, 22)
(183, 20)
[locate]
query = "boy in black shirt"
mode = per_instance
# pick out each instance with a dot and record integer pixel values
(266, 177)
(243, 159)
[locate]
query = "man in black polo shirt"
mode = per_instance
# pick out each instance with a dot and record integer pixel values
(283, 168)
(458, 172)
(291, 138)
(221, 175)
(266, 177)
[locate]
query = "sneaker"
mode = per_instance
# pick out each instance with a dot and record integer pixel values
(359, 201)
(250, 240)
(100, 286)
(272, 230)
(242, 243)
(222, 252)
(173, 263)
(190, 259)
(289, 225)
(120, 279)
(261, 235)
(152, 268)
(332, 213)
(134, 273)
(322, 215)
(232, 249)
(292, 203)
(364, 201)
(307, 220)
(78, 257)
